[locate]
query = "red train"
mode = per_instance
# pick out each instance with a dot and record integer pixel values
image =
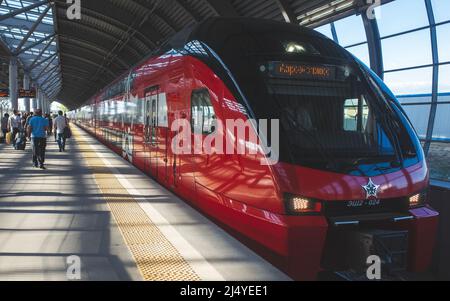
(350, 180)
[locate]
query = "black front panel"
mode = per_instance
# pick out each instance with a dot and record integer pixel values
(349, 208)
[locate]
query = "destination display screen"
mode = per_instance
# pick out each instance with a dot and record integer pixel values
(302, 71)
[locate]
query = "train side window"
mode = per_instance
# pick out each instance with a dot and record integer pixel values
(202, 112)
(162, 111)
(356, 115)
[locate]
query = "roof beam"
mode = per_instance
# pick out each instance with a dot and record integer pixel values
(101, 33)
(49, 74)
(53, 83)
(189, 10)
(51, 80)
(92, 47)
(45, 68)
(22, 10)
(32, 29)
(92, 16)
(222, 8)
(34, 66)
(52, 36)
(89, 62)
(82, 73)
(38, 57)
(20, 23)
(287, 11)
(160, 14)
(81, 78)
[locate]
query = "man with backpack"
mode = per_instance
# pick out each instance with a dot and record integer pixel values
(37, 131)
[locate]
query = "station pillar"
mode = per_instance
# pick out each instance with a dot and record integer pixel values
(26, 86)
(39, 99)
(45, 105)
(34, 102)
(13, 86)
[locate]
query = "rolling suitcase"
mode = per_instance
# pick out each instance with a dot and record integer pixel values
(21, 142)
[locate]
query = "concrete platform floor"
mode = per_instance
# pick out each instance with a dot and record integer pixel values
(48, 216)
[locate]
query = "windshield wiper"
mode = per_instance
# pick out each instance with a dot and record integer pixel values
(385, 117)
(398, 149)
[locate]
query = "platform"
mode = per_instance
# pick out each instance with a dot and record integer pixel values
(123, 226)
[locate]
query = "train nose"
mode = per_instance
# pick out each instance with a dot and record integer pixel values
(329, 186)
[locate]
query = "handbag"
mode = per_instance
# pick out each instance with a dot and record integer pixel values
(67, 132)
(8, 138)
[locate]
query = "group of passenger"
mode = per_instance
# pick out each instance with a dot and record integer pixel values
(35, 127)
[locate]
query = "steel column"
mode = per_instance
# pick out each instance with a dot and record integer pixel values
(334, 33)
(374, 43)
(434, 97)
(287, 11)
(26, 86)
(13, 86)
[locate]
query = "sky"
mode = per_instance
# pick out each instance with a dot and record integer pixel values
(404, 51)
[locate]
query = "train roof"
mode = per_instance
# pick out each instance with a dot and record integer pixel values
(220, 28)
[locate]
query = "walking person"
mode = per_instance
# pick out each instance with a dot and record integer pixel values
(5, 121)
(15, 126)
(50, 124)
(60, 125)
(37, 131)
(27, 122)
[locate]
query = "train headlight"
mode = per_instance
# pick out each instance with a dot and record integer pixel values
(295, 48)
(418, 200)
(302, 205)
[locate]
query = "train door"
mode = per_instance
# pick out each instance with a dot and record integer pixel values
(150, 131)
(162, 138)
(203, 124)
(184, 164)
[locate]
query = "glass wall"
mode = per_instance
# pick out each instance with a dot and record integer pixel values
(356, 42)
(406, 31)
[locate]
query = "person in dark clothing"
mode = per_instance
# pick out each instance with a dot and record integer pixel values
(28, 120)
(5, 121)
(50, 124)
(37, 131)
(15, 126)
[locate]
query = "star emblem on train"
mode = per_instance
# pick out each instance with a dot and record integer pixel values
(371, 189)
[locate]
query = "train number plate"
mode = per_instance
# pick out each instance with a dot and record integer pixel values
(361, 204)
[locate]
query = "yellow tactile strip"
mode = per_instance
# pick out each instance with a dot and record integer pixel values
(156, 258)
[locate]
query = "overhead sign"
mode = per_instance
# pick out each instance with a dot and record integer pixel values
(4, 92)
(27, 93)
(22, 93)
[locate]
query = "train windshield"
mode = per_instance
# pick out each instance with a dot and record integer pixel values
(333, 120)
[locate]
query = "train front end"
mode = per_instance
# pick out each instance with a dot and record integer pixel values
(354, 164)
(352, 177)
(355, 167)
